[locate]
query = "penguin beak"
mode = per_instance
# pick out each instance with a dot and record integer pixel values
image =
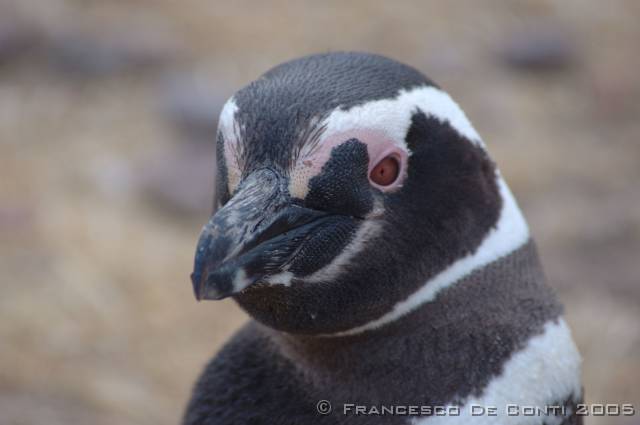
(256, 234)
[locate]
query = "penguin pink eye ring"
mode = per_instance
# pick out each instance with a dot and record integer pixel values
(386, 171)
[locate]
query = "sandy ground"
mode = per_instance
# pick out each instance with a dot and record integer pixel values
(107, 116)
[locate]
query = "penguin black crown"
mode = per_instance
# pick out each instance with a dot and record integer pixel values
(386, 265)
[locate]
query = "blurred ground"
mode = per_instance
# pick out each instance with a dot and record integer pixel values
(107, 117)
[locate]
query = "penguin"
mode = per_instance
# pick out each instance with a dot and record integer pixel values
(388, 272)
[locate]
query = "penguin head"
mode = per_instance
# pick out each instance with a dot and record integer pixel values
(344, 182)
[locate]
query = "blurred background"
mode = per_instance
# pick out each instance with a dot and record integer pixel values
(108, 114)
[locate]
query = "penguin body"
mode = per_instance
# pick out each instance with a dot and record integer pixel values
(389, 271)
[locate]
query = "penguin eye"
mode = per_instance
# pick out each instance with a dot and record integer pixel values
(386, 171)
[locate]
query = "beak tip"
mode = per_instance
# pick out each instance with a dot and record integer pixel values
(197, 286)
(203, 291)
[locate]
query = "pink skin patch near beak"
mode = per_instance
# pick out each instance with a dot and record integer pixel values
(379, 146)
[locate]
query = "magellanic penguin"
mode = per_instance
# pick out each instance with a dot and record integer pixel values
(391, 276)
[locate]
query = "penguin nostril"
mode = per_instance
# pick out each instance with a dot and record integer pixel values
(386, 171)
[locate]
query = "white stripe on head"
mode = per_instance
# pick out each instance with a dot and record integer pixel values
(510, 233)
(393, 116)
(546, 372)
(387, 121)
(228, 127)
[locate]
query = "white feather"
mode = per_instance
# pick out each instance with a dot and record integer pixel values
(393, 116)
(544, 373)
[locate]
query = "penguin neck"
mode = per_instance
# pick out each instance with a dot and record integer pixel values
(477, 323)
